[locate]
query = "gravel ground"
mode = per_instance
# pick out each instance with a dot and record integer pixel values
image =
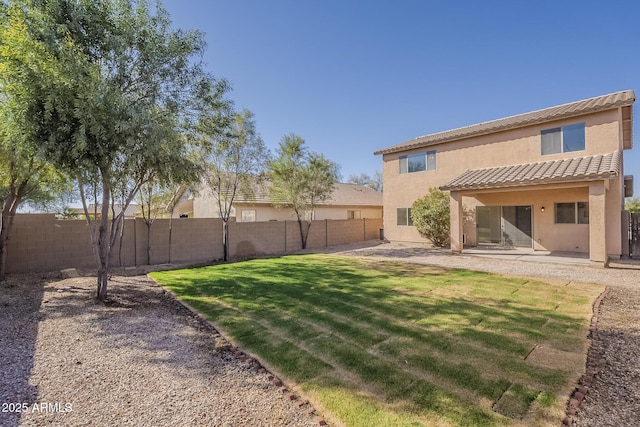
(139, 360)
(144, 360)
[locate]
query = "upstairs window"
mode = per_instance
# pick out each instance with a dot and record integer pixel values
(563, 139)
(418, 162)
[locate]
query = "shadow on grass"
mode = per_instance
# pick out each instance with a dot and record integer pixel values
(312, 317)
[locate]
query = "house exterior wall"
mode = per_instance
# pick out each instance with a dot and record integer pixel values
(603, 134)
(547, 234)
(204, 205)
(271, 213)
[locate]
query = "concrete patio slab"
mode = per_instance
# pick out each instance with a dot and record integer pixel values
(528, 255)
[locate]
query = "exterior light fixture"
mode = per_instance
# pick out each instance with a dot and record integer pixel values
(542, 209)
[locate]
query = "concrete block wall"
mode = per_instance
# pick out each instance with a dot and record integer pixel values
(39, 242)
(257, 238)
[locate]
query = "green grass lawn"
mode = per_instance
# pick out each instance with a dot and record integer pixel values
(394, 344)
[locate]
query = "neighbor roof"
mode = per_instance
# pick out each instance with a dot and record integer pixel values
(343, 195)
(591, 105)
(567, 170)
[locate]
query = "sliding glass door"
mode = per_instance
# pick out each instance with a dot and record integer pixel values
(508, 226)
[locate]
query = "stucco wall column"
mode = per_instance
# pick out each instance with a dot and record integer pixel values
(597, 224)
(455, 209)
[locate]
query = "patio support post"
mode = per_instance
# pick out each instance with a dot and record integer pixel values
(598, 251)
(455, 209)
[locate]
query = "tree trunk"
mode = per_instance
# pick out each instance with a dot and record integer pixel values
(304, 234)
(103, 247)
(9, 209)
(5, 228)
(170, 233)
(121, 239)
(148, 243)
(225, 239)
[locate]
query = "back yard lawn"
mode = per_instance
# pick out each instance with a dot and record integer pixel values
(375, 343)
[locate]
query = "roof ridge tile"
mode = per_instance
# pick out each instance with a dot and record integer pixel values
(571, 109)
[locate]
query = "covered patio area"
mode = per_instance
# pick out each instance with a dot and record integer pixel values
(544, 209)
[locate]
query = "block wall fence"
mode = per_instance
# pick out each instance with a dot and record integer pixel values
(40, 242)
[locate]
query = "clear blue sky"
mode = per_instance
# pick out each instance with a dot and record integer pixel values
(351, 77)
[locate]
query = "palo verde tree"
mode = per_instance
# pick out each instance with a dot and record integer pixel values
(127, 90)
(235, 167)
(25, 176)
(300, 180)
(431, 217)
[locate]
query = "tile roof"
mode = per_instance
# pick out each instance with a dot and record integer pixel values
(566, 170)
(343, 195)
(354, 194)
(591, 105)
(131, 211)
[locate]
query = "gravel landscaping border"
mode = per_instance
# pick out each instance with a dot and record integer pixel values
(143, 359)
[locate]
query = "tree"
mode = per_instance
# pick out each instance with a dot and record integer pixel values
(374, 182)
(121, 95)
(632, 205)
(300, 180)
(431, 217)
(236, 164)
(25, 176)
(153, 198)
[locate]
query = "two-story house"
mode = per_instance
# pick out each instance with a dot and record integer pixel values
(550, 179)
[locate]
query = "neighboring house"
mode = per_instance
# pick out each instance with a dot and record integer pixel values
(348, 201)
(132, 211)
(549, 180)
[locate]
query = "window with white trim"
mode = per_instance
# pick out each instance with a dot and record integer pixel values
(418, 162)
(563, 139)
(404, 216)
(248, 215)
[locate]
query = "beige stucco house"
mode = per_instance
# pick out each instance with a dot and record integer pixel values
(549, 180)
(348, 201)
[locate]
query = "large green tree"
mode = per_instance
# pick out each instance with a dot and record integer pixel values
(25, 176)
(122, 94)
(235, 167)
(301, 179)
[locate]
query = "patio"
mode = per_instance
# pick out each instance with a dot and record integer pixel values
(528, 255)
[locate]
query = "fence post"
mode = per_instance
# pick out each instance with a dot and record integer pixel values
(326, 233)
(364, 229)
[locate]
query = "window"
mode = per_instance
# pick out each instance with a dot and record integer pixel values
(418, 162)
(353, 215)
(404, 216)
(572, 213)
(563, 139)
(248, 215)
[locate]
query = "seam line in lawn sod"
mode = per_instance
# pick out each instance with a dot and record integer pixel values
(425, 343)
